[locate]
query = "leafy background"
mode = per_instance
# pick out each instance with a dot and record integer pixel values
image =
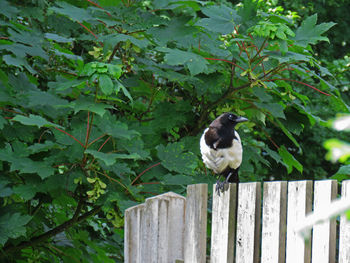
(103, 103)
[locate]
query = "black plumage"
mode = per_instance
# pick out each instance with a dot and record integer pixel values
(221, 148)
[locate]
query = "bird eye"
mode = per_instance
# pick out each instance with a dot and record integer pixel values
(231, 117)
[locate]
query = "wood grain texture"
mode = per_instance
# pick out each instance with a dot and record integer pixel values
(324, 234)
(223, 225)
(248, 223)
(274, 222)
(132, 232)
(196, 223)
(298, 205)
(344, 229)
(154, 231)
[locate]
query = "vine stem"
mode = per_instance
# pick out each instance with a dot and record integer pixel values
(95, 140)
(95, 4)
(300, 82)
(70, 135)
(99, 149)
(87, 130)
(89, 30)
(220, 59)
(137, 177)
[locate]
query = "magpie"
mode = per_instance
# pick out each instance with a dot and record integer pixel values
(221, 148)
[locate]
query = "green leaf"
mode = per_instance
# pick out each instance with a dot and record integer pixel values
(18, 62)
(286, 132)
(262, 94)
(88, 104)
(195, 63)
(63, 84)
(71, 11)
(8, 10)
(310, 33)
(106, 84)
(5, 190)
(34, 120)
(115, 70)
(343, 173)
(221, 19)
(289, 160)
(274, 155)
(26, 191)
(58, 38)
(3, 121)
(25, 165)
(347, 214)
(40, 98)
(112, 40)
(111, 158)
(43, 147)
(174, 158)
(12, 226)
(118, 130)
(124, 90)
(275, 109)
(178, 179)
(337, 150)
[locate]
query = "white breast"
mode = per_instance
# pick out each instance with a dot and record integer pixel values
(218, 160)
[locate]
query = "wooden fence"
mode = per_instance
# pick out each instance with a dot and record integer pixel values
(250, 224)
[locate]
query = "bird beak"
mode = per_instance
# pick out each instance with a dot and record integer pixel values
(241, 119)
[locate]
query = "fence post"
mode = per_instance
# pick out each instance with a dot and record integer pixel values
(196, 223)
(273, 238)
(324, 235)
(154, 231)
(344, 229)
(248, 223)
(223, 225)
(299, 203)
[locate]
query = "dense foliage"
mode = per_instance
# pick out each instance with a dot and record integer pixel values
(103, 105)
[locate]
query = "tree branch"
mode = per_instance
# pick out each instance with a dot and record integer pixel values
(38, 239)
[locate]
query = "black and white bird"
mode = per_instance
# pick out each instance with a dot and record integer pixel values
(221, 148)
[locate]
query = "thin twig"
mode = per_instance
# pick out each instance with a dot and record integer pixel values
(300, 82)
(70, 136)
(99, 149)
(137, 177)
(51, 233)
(95, 140)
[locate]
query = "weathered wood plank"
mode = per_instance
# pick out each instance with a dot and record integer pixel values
(248, 223)
(273, 235)
(324, 234)
(344, 229)
(132, 231)
(154, 231)
(196, 223)
(223, 225)
(299, 203)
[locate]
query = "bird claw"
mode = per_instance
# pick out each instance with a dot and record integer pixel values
(220, 186)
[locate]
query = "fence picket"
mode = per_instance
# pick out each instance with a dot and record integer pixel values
(344, 229)
(170, 228)
(154, 231)
(196, 223)
(274, 222)
(324, 235)
(132, 232)
(223, 225)
(248, 223)
(299, 203)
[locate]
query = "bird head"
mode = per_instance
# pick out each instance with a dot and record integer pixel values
(230, 119)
